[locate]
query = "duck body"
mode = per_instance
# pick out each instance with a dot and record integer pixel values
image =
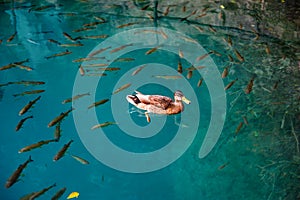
(158, 104)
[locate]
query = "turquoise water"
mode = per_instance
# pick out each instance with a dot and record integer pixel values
(260, 161)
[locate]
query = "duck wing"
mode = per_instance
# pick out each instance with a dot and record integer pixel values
(160, 101)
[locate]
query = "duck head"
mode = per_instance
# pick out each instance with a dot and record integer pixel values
(179, 97)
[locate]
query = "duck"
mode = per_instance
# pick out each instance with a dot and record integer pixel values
(158, 104)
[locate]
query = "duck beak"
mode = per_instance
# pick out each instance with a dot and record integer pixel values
(185, 100)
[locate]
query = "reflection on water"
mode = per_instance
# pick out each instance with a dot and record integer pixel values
(255, 46)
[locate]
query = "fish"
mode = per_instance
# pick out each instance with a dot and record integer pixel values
(238, 128)
(98, 51)
(73, 195)
(230, 84)
(81, 70)
(135, 72)
(185, 18)
(148, 117)
(268, 51)
(71, 45)
(225, 72)
(59, 54)
(120, 48)
(36, 145)
(239, 56)
(229, 41)
(202, 57)
(166, 12)
(83, 29)
(163, 34)
(69, 100)
(29, 92)
(60, 117)
(105, 69)
(124, 59)
(212, 29)
(167, 77)
(99, 18)
(15, 176)
(152, 50)
(95, 36)
(24, 67)
(230, 58)
(179, 67)
(275, 85)
(57, 132)
(245, 120)
(223, 166)
(145, 7)
(180, 53)
(68, 37)
(26, 83)
(125, 25)
(98, 103)
(200, 82)
(189, 40)
(216, 53)
(11, 37)
(62, 151)
(14, 64)
(198, 28)
(202, 15)
(249, 87)
(96, 74)
(93, 24)
(189, 74)
(54, 41)
(96, 65)
(59, 193)
(21, 122)
(84, 59)
(28, 106)
(122, 88)
(81, 160)
(41, 192)
(41, 8)
(102, 125)
(150, 16)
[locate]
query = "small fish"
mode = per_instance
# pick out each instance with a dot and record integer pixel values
(152, 50)
(93, 24)
(29, 92)
(268, 51)
(73, 195)
(230, 84)
(275, 85)
(95, 36)
(23, 67)
(59, 118)
(245, 120)
(26, 83)
(59, 54)
(145, 7)
(150, 16)
(28, 106)
(62, 151)
(96, 74)
(57, 132)
(216, 53)
(212, 29)
(15, 176)
(238, 128)
(83, 29)
(189, 74)
(148, 117)
(41, 8)
(71, 45)
(14, 64)
(68, 37)
(200, 82)
(11, 37)
(124, 59)
(81, 160)
(99, 19)
(179, 67)
(96, 65)
(59, 194)
(120, 48)
(230, 58)
(81, 70)
(229, 41)
(54, 41)
(198, 28)
(185, 18)
(98, 103)
(122, 88)
(137, 70)
(102, 125)
(225, 72)
(168, 77)
(84, 59)
(125, 25)
(69, 100)
(180, 53)
(202, 15)
(239, 56)
(36, 145)
(98, 51)
(21, 122)
(249, 87)
(189, 40)
(202, 57)
(223, 166)
(41, 192)
(166, 12)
